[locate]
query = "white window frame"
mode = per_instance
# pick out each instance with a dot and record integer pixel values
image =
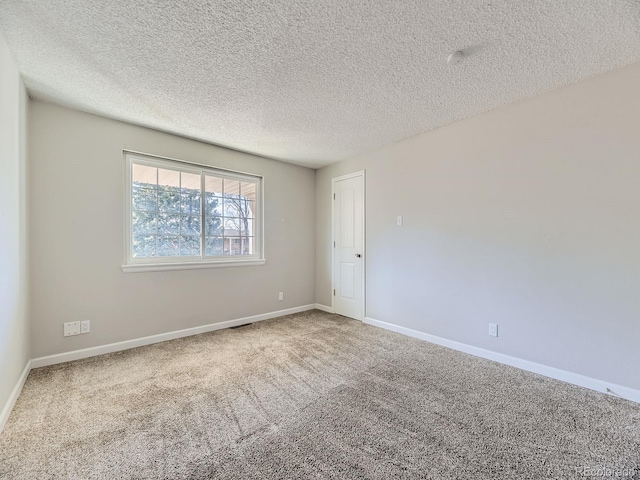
(148, 264)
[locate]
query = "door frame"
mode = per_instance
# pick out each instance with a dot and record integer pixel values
(359, 173)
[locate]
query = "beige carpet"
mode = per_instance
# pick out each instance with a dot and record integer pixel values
(310, 395)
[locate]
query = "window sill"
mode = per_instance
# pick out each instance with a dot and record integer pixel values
(159, 267)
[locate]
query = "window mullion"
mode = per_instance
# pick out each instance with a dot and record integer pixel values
(202, 216)
(223, 218)
(156, 237)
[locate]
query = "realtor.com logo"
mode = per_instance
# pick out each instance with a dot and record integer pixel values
(608, 471)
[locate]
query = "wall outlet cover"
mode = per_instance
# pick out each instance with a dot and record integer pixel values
(71, 328)
(85, 326)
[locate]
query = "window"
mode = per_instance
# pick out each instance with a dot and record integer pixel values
(182, 215)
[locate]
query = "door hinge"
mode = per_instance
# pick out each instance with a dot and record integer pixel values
(334, 292)
(334, 244)
(334, 196)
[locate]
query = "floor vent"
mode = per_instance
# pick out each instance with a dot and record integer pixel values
(240, 326)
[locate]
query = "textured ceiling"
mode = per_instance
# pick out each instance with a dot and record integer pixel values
(309, 81)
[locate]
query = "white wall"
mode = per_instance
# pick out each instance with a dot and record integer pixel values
(77, 196)
(527, 216)
(14, 321)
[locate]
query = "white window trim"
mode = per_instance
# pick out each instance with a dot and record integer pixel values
(155, 264)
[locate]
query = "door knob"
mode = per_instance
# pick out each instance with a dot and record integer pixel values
(358, 255)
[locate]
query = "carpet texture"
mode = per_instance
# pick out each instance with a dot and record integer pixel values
(311, 395)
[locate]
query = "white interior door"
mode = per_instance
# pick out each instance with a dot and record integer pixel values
(348, 245)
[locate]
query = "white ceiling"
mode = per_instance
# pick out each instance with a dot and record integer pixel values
(309, 81)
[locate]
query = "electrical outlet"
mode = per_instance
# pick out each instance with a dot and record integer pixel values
(71, 328)
(85, 326)
(399, 220)
(281, 296)
(493, 329)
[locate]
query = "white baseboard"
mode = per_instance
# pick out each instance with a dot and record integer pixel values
(547, 371)
(324, 308)
(6, 411)
(162, 337)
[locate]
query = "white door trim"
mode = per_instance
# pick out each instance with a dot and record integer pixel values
(359, 173)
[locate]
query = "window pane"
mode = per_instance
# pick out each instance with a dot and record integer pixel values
(169, 180)
(232, 227)
(213, 226)
(213, 246)
(248, 209)
(168, 246)
(168, 201)
(212, 205)
(144, 246)
(232, 245)
(190, 245)
(143, 176)
(190, 183)
(231, 207)
(169, 224)
(190, 225)
(143, 223)
(248, 190)
(191, 202)
(248, 227)
(213, 185)
(231, 187)
(248, 245)
(144, 199)
(252, 209)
